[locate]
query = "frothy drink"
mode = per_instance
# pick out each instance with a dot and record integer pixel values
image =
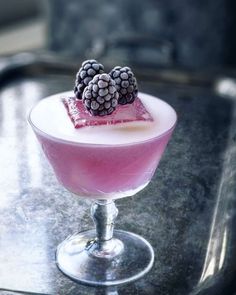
(104, 141)
(103, 162)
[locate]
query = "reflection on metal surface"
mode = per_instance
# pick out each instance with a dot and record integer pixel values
(215, 257)
(8, 144)
(226, 87)
(223, 251)
(18, 147)
(222, 219)
(22, 234)
(32, 149)
(216, 245)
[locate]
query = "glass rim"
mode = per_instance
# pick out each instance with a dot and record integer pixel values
(97, 145)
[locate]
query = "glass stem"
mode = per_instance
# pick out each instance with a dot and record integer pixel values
(104, 213)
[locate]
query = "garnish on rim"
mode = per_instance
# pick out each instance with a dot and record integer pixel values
(105, 99)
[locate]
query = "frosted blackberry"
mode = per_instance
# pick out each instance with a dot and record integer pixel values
(100, 97)
(126, 84)
(88, 70)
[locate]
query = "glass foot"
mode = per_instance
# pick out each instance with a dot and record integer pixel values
(123, 259)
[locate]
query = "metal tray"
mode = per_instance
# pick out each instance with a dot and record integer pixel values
(187, 212)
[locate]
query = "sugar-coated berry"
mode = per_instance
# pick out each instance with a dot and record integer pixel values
(126, 84)
(88, 70)
(100, 97)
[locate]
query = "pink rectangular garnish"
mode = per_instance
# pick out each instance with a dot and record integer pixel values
(122, 114)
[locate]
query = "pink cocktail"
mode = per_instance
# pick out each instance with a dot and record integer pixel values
(103, 163)
(104, 169)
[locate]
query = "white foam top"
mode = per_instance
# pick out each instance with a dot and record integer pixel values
(50, 116)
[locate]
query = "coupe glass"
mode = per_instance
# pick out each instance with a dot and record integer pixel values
(103, 173)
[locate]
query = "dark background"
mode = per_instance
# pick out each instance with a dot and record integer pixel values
(186, 33)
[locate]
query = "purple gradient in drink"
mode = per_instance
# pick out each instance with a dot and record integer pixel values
(103, 171)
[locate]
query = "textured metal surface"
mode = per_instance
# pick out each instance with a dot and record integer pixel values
(187, 212)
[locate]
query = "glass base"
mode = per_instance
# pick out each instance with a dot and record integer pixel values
(123, 259)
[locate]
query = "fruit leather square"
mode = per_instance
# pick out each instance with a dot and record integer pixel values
(122, 114)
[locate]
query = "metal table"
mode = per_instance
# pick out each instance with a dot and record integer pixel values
(187, 212)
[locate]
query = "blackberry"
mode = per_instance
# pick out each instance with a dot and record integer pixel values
(126, 84)
(100, 97)
(88, 70)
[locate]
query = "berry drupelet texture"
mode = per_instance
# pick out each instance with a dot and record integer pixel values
(88, 70)
(100, 97)
(126, 84)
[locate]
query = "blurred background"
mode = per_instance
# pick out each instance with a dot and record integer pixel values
(185, 33)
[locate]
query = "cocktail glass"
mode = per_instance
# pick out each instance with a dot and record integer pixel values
(103, 173)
